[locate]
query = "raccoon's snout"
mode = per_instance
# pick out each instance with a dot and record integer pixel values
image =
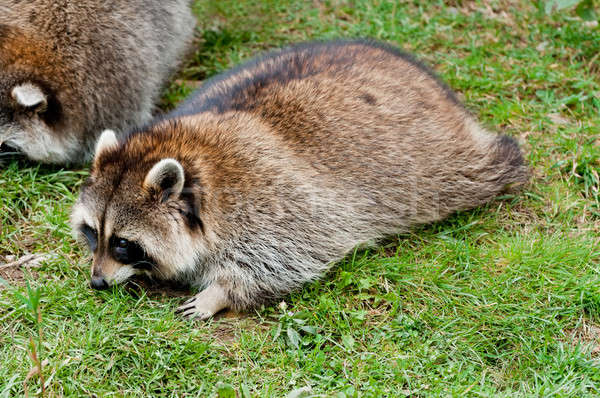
(98, 283)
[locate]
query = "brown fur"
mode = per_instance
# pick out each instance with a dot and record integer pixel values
(292, 160)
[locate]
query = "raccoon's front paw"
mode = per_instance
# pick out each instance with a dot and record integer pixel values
(205, 304)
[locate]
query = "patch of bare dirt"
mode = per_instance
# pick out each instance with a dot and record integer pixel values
(12, 269)
(230, 324)
(226, 332)
(586, 335)
(13, 276)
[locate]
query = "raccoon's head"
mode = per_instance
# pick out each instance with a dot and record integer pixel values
(31, 114)
(139, 213)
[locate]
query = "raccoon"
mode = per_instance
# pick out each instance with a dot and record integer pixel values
(73, 68)
(273, 171)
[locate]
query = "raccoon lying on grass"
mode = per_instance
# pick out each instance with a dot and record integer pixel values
(276, 169)
(71, 68)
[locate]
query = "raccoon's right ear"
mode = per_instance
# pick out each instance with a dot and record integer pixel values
(107, 140)
(166, 177)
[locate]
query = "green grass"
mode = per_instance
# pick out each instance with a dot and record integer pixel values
(500, 301)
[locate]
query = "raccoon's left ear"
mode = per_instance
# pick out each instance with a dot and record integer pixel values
(166, 177)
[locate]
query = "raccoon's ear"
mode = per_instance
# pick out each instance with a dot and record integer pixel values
(30, 96)
(107, 140)
(166, 177)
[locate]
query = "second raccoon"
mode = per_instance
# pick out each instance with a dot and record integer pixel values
(71, 68)
(278, 168)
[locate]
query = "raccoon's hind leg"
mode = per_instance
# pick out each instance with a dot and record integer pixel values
(205, 304)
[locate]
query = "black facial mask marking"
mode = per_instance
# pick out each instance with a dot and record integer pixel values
(128, 252)
(91, 235)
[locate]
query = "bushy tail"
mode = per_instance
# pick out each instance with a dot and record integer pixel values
(483, 173)
(507, 164)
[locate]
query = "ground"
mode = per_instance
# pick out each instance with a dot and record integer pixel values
(503, 300)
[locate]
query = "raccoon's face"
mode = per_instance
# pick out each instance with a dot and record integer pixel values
(138, 218)
(28, 115)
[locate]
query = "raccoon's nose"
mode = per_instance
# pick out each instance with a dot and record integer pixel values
(98, 283)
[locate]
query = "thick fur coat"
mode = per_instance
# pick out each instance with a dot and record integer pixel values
(276, 169)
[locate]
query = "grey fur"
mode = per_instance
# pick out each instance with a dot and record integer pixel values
(291, 161)
(101, 64)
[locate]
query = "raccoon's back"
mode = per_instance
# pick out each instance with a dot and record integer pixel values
(246, 86)
(369, 119)
(339, 96)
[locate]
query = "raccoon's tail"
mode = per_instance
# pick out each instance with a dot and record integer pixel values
(474, 173)
(507, 168)
(493, 166)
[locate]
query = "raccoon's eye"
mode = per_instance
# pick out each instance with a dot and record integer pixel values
(91, 235)
(126, 251)
(120, 249)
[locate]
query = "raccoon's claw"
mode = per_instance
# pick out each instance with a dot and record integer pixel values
(189, 310)
(205, 304)
(192, 313)
(189, 301)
